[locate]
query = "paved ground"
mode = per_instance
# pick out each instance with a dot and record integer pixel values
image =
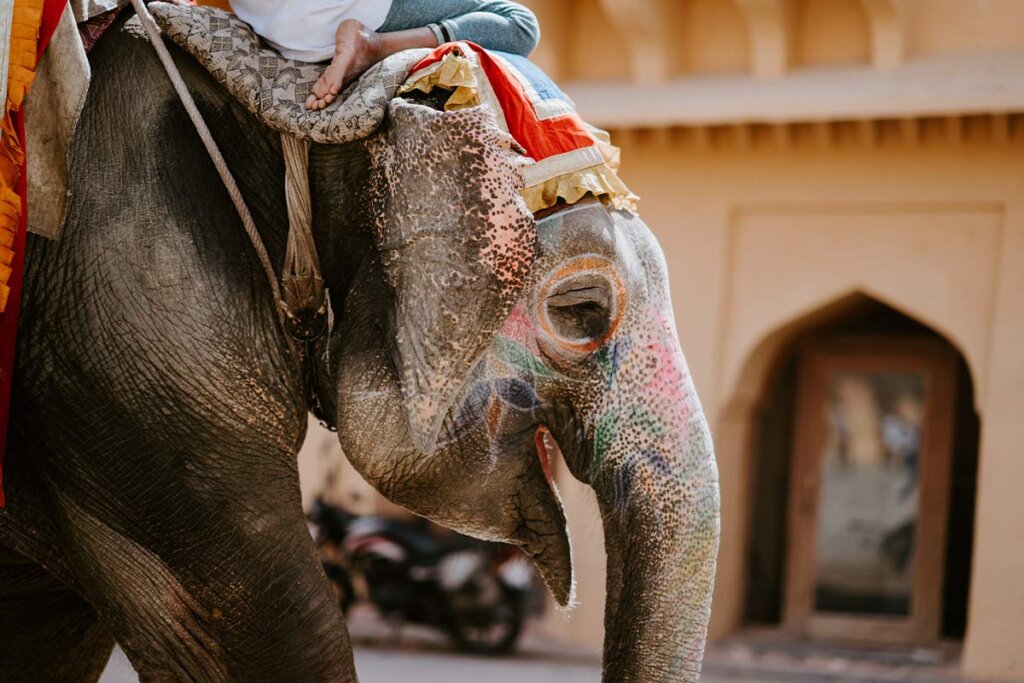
(422, 656)
(378, 664)
(397, 666)
(119, 670)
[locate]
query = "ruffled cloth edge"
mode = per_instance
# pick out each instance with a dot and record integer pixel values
(455, 72)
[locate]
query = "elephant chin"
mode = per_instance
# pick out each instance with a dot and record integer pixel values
(517, 504)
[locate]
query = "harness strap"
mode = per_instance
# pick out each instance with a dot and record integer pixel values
(305, 299)
(302, 310)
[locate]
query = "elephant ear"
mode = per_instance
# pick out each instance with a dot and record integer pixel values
(456, 244)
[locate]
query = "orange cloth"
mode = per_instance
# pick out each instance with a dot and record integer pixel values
(28, 17)
(32, 26)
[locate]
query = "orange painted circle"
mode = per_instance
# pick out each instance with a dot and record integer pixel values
(598, 265)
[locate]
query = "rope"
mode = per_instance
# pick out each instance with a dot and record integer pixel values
(153, 32)
(303, 285)
(304, 312)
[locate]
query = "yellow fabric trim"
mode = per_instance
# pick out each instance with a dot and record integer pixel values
(461, 74)
(610, 152)
(28, 15)
(454, 72)
(599, 181)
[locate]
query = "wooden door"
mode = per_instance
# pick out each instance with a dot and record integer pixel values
(869, 489)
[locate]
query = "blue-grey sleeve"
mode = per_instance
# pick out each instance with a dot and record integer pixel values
(493, 24)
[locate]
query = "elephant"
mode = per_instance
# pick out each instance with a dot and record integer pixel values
(151, 479)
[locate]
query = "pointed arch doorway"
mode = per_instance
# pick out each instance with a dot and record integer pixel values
(864, 469)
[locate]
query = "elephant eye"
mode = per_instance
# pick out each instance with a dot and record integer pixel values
(579, 306)
(580, 313)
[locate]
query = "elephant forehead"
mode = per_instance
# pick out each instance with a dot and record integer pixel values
(584, 227)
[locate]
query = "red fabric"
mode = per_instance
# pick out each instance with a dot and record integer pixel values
(9, 318)
(93, 29)
(540, 139)
(52, 9)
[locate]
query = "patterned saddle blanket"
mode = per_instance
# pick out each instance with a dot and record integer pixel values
(274, 88)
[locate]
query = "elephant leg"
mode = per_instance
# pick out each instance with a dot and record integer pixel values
(206, 582)
(47, 631)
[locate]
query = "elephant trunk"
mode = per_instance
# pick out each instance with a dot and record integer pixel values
(654, 473)
(661, 560)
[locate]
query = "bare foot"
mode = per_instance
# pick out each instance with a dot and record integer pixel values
(356, 49)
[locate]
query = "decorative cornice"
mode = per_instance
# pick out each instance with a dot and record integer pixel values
(969, 85)
(864, 133)
(768, 36)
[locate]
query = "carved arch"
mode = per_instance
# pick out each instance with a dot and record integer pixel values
(768, 34)
(748, 380)
(886, 33)
(647, 29)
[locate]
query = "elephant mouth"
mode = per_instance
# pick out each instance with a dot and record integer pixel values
(540, 440)
(549, 547)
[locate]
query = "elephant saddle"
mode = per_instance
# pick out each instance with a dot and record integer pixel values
(571, 159)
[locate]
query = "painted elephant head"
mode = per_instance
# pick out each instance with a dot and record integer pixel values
(480, 335)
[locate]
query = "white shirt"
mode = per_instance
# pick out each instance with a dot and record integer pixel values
(304, 29)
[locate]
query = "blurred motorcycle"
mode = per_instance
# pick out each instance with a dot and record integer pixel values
(474, 591)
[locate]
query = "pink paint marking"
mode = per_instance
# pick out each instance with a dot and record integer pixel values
(520, 329)
(670, 378)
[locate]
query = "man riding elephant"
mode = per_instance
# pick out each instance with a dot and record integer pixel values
(152, 491)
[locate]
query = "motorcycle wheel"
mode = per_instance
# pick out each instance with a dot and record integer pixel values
(342, 585)
(489, 630)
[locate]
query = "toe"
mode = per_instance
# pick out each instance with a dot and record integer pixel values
(321, 87)
(335, 78)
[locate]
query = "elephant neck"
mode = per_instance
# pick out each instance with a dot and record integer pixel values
(343, 213)
(272, 173)
(341, 230)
